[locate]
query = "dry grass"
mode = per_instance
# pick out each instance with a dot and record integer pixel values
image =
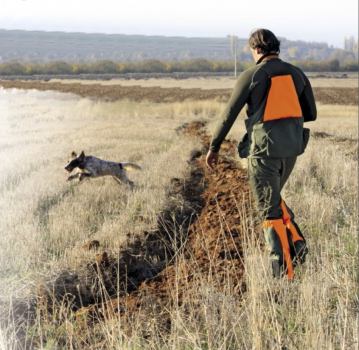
(45, 221)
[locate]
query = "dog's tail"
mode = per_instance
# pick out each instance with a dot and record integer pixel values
(131, 166)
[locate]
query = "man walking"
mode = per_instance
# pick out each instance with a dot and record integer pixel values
(279, 100)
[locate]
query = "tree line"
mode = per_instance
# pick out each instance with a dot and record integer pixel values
(157, 66)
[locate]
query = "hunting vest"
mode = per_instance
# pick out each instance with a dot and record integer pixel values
(276, 129)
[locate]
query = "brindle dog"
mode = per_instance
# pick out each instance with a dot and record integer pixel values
(91, 167)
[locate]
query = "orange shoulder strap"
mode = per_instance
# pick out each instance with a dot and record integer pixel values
(282, 100)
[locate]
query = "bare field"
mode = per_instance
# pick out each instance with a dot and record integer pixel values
(179, 260)
(136, 93)
(203, 83)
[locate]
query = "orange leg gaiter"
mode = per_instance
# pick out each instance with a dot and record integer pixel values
(281, 231)
(288, 223)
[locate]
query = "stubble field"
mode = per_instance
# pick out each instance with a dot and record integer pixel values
(179, 261)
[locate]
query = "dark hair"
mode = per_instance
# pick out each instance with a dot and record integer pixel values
(265, 41)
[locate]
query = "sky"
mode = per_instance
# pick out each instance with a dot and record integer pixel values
(309, 20)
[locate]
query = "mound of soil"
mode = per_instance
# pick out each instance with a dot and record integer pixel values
(340, 96)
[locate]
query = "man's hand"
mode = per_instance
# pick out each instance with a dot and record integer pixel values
(212, 159)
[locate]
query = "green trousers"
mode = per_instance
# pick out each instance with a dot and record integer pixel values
(267, 178)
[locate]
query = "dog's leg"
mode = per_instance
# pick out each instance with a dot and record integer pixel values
(82, 175)
(73, 177)
(117, 180)
(126, 179)
(122, 180)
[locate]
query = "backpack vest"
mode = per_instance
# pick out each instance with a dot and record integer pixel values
(276, 130)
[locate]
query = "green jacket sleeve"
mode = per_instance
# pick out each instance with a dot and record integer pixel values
(234, 106)
(307, 102)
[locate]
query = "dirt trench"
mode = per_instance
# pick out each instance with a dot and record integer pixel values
(208, 251)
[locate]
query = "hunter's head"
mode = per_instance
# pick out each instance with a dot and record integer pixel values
(263, 42)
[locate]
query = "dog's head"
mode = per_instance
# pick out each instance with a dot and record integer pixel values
(75, 161)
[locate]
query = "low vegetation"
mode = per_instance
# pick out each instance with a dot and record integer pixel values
(47, 222)
(156, 66)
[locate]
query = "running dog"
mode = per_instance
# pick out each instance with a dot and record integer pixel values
(91, 167)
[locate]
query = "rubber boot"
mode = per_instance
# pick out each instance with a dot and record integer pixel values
(276, 228)
(299, 244)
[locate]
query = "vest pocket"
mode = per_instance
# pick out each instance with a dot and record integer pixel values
(283, 138)
(306, 134)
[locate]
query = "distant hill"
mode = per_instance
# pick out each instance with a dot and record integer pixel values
(49, 46)
(82, 47)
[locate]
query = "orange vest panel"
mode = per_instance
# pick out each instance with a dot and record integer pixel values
(282, 101)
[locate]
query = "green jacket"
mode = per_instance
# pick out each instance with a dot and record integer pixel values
(279, 135)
